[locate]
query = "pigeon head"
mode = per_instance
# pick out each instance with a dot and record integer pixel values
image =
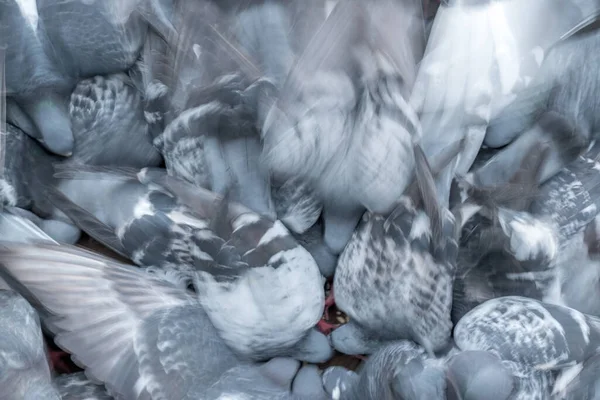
(472, 374)
(418, 380)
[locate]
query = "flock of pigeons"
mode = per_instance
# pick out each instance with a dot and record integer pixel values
(438, 162)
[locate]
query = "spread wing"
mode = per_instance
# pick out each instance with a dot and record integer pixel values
(122, 325)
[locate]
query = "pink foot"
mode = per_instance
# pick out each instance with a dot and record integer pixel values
(326, 327)
(60, 361)
(329, 302)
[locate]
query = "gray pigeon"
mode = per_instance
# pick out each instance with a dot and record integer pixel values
(25, 369)
(140, 336)
(495, 48)
(394, 279)
(547, 251)
(216, 93)
(400, 370)
(560, 105)
(478, 375)
(109, 125)
(254, 280)
(341, 121)
(77, 386)
(533, 339)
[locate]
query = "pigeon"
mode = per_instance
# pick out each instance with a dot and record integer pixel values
(561, 84)
(532, 338)
(543, 248)
(495, 48)
(271, 380)
(52, 44)
(236, 259)
(560, 105)
(585, 385)
(129, 329)
(400, 370)
(217, 92)
(37, 86)
(108, 124)
(341, 121)
(77, 386)
(473, 375)
(25, 368)
(394, 279)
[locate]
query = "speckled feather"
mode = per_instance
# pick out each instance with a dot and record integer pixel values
(533, 335)
(239, 261)
(77, 387)
(296, 204)
(108, 124)
(394, 279)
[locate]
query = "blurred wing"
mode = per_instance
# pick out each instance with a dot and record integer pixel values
(485, 55)
(100, 310)
(15, 228)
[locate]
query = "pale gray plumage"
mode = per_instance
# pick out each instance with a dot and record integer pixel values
(237, 259)
(23, 362)
(534, 339)
(140, 336)
(495, 55)
(341, 121)
(77, 386)
(278, 379)
(52, 44)
(27, 167)
(474, 375)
